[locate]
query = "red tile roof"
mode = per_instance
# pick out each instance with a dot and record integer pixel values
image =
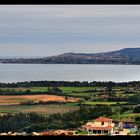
(98, 128)
(103, 119)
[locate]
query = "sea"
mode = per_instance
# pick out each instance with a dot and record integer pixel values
(68, 72)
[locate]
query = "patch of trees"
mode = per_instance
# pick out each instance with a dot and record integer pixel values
(135, 99)
(129, 91)
(117, 99)
(137, 109)
(137, 119)
(81, 132)
(36, 122)
(16, 122)
(41, 102)
(125, 108)
(54, 89)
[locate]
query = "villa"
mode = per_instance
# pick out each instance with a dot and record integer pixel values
(100, 126)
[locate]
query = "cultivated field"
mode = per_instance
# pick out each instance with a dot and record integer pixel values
(11, 104)
(17, 99)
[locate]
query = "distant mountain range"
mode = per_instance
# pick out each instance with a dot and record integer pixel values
(124, 56)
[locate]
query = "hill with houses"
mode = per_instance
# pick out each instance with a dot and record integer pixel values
(123, 56)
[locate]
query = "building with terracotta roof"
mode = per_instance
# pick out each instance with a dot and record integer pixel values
(102, 125)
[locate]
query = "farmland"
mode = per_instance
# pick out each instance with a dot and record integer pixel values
(69, 97)
(78, 91)
(96, 93)
(11, 104)
(13, 99)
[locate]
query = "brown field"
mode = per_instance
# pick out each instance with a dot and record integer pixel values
(14, 100)
(11, 104)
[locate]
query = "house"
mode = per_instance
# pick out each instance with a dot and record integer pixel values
(101, 125)
(128, 124)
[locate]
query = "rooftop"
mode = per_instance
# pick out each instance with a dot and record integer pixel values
(103, 119)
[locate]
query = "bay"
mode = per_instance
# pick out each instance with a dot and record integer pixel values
(68, 72)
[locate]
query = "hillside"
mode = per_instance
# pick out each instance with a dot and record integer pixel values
(124, 56)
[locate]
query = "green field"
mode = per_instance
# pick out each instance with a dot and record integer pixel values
(42, 89)
(70, 89)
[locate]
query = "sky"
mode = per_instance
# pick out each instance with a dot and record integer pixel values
(45, 30)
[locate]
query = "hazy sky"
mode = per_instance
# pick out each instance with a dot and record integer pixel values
(44, 30)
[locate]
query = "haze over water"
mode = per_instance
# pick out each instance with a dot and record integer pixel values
(68, 72)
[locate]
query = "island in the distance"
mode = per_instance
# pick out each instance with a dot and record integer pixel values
(123, 56)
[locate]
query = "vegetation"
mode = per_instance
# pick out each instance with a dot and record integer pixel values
(137, 109)
(81, 132)
(36, 122)
(104, 103)
(135, 99)
(138, 122)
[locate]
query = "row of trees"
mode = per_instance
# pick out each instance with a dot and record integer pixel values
(68, 83)
(15, 92)
(51, 90)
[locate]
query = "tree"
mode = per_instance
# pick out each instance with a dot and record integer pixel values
(109, 90)
(56, 90)
(49, 89)
(1, 91)
(66, 98)
(28, 91)
(124, 109)
(136, 109)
